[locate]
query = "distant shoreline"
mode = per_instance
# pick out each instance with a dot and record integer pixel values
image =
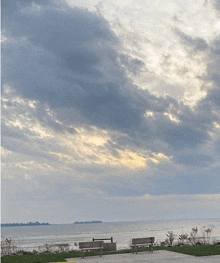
(25, 224)
(88, 222)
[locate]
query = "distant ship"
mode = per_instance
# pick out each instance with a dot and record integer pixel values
(25, 224)
(87, 222)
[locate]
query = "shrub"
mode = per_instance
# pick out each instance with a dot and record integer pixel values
(171, 237)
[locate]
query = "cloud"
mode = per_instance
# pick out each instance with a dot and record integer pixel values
(195, 159)
(68, 61)
(83, 100)
(216, 4)
(58, 62)
(212, 80)
(77, 202)
(196, 44)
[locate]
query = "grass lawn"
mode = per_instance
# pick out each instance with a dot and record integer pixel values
(198, 251)
(204, 250)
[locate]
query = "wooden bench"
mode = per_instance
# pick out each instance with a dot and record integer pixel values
(142, 242)
(102, 239)
(107, 246)
(87, 246)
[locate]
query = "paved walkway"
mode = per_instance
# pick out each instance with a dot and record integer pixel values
(159, 256)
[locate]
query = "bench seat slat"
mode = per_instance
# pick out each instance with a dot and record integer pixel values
(90, 244)
(144, 244)
(143, 240)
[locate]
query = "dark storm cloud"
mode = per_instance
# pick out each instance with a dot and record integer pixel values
(192, 129)
(181, 137)
(189, 132)
(55, 61)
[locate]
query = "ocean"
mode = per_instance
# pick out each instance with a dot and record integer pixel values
(30, 237)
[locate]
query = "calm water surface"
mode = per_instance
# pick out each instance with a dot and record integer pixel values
(122, 232)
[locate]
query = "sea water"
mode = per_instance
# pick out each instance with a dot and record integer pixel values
(30, 237)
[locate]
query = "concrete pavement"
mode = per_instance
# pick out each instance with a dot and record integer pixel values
(159, 256)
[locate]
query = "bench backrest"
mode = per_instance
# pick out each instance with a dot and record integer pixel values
(99, 239)
(144, 240)
(90, 244)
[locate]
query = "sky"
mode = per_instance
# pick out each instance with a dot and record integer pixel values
(110, 110)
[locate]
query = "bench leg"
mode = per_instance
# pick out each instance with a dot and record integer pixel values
(101, 252)
(82, 254)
